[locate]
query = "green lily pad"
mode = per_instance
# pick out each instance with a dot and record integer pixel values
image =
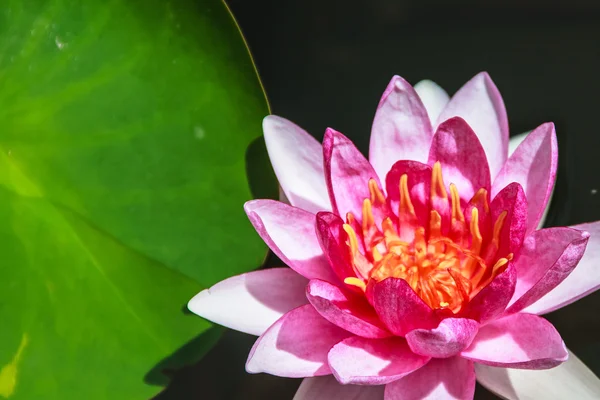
(124, 130)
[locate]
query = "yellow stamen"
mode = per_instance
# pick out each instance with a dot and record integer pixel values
(457, 213)
(359, 283)
(367, 211)
(352, 240)
(476, 238)
(438, 188)
(406, 205)
(376, 196)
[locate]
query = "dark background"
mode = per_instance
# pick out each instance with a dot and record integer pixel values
(326, 62)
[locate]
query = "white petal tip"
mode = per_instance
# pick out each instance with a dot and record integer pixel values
(197, 303)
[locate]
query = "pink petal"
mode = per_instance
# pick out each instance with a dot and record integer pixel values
(242, 303)
(419, 187)
(440, 379)
(347, 173)
(434, 98)
(547, 257)
(533, 165)
(463, 160)
(346, 310)
(511, 199)
(479, 103)
(373, 361)
(452, 336)
(399, 307)
(518, 341)
(296, 346)
(493, 299)
(570, 380)
(401, 128)
(328, 388)
(297, 159)
(290, 233)
(584, 279)
(332, 238)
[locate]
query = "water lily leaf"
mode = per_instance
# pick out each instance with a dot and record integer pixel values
(124, 129)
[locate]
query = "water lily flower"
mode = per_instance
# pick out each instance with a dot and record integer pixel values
(420, 270)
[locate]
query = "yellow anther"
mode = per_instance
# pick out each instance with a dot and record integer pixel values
(406, 205)
(457, 213)
(376, 196)
(359, 283)
(498, 228)
(476, 238)
(376, 254)
(438, 189)
(368, 219)
(352, 240)
(481, 198)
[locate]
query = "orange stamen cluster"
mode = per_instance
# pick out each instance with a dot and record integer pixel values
(446, 261)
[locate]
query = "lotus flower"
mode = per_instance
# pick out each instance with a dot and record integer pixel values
(418, 271)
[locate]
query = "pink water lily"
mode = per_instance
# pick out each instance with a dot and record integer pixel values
(418, 271)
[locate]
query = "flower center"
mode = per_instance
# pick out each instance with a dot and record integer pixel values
(446, 261)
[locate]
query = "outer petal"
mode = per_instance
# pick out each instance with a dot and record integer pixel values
(440, 379)
(346, 310)
(347, 173)
(533, 165)
(479, 103)
(401, 128)
(296, 345)
(328, 388)
(434, 98)
(463, 160)
(452, 336)
(290, 233)
(297, 159)
(518, 341)
(584, 279)
(373, 361)
(547, 257)
(570, 380)
(515, 141)
(243, 304)
(399, 307)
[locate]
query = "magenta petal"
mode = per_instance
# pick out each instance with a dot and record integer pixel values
(373, 361)
(493, 299)
(401, 128)
(584, 279)
(511, 199)
(452, 336)
(347, 173)
(419, 187)
(332, 237)
(346, 310)
(463, 160)
(440, 379)
(328, 388)
(297, 159)
(547, 257)
(296, 345)
(518, 341)
(290, 233)
(399, 307)
(533, 165)
(479, 103)
(251, 302)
